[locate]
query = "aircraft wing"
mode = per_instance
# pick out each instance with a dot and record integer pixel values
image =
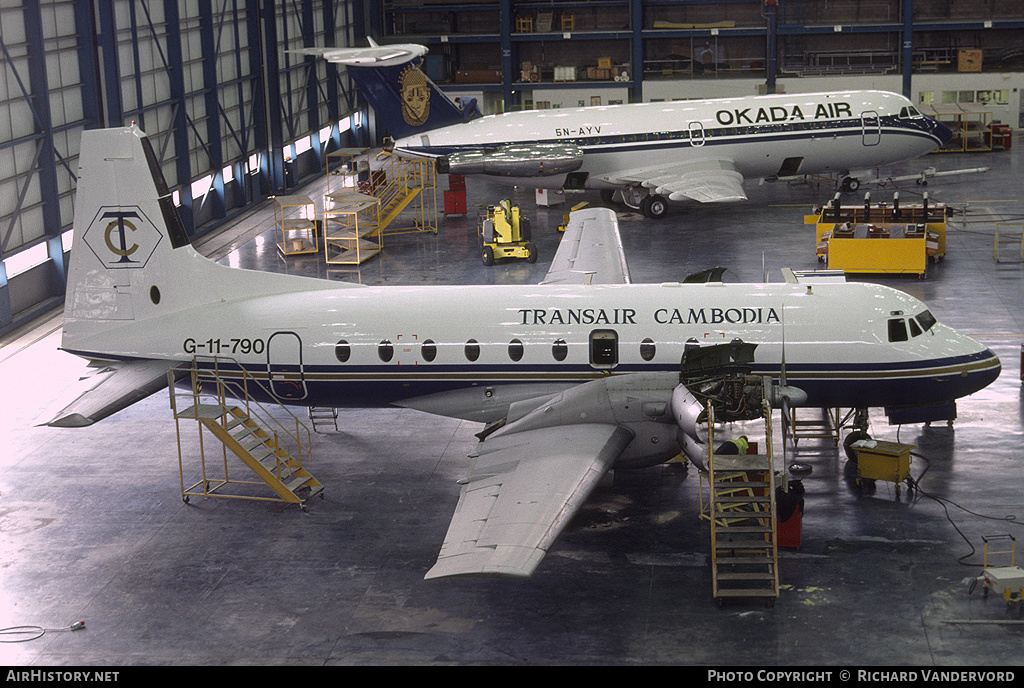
(706, 181)
(113, 387)
(522, 490)
(590, 251)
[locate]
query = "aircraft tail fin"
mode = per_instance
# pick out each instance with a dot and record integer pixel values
(407, 101)
(131, 260)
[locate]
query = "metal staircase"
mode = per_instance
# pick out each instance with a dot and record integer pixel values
(367, 200)
(408, 195)
(744, 549)
(223, 402)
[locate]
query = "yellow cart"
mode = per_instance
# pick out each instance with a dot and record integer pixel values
(880, 460)
(505, 233)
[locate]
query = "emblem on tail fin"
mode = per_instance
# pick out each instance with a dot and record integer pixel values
(122, 237)
(415, 92)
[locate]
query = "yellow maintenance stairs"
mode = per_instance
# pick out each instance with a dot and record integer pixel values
(742, 513)
(366, 200)
(273, 445)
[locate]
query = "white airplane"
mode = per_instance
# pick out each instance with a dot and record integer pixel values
(646, 154)
(572, 377)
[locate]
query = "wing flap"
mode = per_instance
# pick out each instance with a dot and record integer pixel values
(521, 492)
(590, 251)
(113, 387)
(706, 181)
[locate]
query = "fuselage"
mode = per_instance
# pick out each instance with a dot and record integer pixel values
(763, 136)
(845, 345)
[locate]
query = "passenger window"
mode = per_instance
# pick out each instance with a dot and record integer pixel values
(342, 351)
(898, 330)
(386, 351)
(515, 350)
(647, 349)
(472, 350)
(559, 350)
(429, 350)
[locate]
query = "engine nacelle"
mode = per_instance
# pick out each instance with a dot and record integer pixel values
(526, 160)
(640, 403)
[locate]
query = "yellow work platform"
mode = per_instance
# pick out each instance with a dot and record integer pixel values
(880, 238)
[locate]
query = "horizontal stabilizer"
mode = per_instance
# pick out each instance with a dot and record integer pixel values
(590, 251)
(112, 388)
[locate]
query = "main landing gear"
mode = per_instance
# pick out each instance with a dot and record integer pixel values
(653, 206)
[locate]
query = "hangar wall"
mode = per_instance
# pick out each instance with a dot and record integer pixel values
(235, 118)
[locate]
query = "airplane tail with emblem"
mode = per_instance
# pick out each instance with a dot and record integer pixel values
(407, 101)
(134, 278)
(126, 234)
(404, 98)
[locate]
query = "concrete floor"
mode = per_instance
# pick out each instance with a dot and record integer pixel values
(93, 526)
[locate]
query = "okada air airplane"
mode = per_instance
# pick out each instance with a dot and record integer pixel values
(572, 377)
(644, 154)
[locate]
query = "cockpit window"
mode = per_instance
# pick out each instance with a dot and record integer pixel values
(915, 329)
(926, 320)
(897, 330)
(909, 112)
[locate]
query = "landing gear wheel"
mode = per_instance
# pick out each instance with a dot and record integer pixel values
(654, 206)
(855, 436)
(531, 252)
(608, 196)
(487, 255)
(850, 184)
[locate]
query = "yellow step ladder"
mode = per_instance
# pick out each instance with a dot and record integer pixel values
(247, 430)
(742, 514)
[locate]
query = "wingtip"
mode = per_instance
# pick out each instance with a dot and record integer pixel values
(72, 420)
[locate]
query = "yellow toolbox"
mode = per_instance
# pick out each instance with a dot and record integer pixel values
(880, 460)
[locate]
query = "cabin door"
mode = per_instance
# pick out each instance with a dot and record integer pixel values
(696, 134)
(871, 128)
(604, 349)
(284, 366)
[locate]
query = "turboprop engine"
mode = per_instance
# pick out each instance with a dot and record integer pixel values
(719, 375)
(662, 410)
(525, 160)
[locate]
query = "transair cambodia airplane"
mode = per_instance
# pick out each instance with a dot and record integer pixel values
(571, 377)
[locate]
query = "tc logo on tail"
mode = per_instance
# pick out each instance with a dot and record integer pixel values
(122, 237)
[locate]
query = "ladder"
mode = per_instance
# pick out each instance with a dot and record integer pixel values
(744, 549)
(323, 419)
(825, 427)
(228, 409)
